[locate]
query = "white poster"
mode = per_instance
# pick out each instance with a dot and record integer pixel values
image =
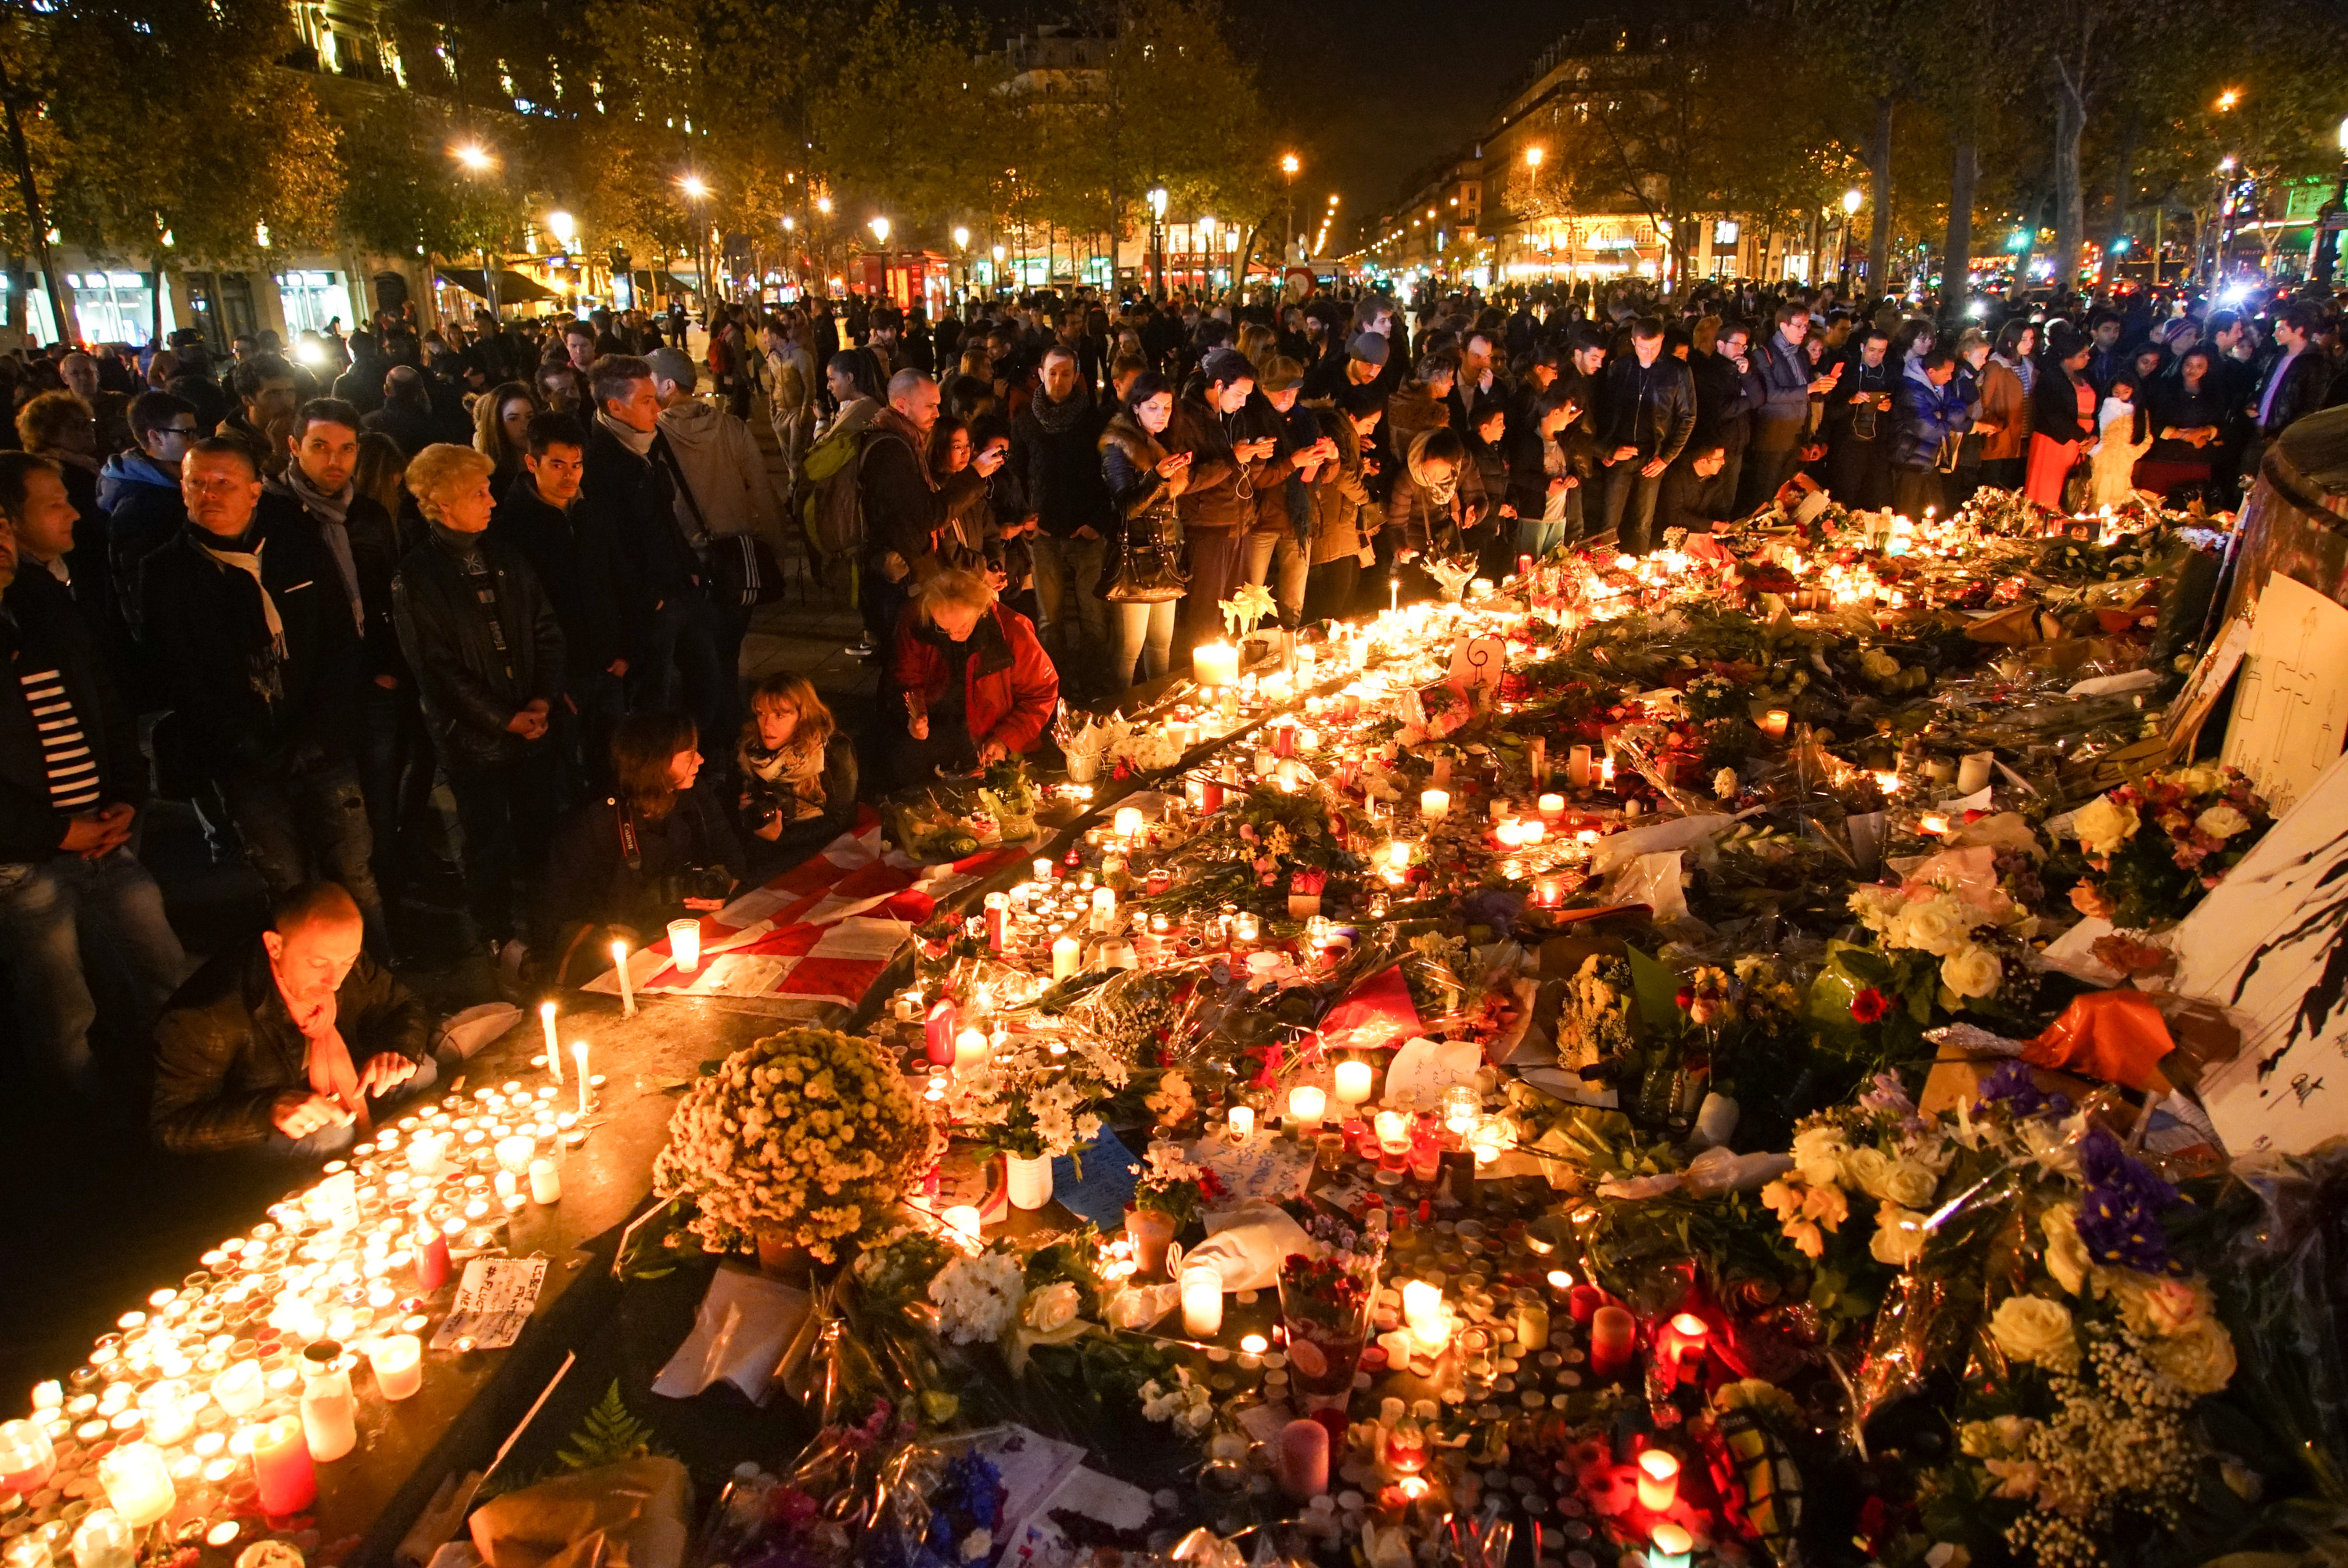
(2291, 700)
(2270, 944)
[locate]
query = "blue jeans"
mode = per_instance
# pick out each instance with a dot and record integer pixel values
(1074, 625)
(59, 914)
(310, 827)
(1145, 636)
(1275, 559)
(328, 1141)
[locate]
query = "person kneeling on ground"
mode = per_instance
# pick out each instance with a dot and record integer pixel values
(658, 849)
(278, 1043)
(978, 685)
(798, 776)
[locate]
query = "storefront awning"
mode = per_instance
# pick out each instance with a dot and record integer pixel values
(514, 289)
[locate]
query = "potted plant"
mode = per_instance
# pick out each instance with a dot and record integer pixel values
(1165, 1201)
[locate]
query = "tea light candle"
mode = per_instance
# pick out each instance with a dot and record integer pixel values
(1202, 1301)
(1128, 822)
(1307, 1104)
(1671, 1545)
(1773, 723)
(545, 1182)
(1394, 1132)
(1353, 1081)
(282, 1472)
(1246, 927)
(1552, 806)
(553, 1050)
(1434, 805)
(1613, 1333)
(138, 1484)
(1658, 1480)
(1935, 825)
(1215, 664)
(1399, 852)
(103, 1540)
(238, 1390)
(627, 984)
(684, 944)
(513, 1153)
(398, 1363)
(1067, 956)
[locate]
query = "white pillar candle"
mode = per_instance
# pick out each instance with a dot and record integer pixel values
(1067, 953)
(1215, 664)
(579, 1060)
(398, 1363)
(545, 1182)
(1242, 1122)
(627, 986)
(1398, 854)
(1128, 822)
(685, 946)
(1103, 908)
(1352, 1080)
(1434, 805)
(553, 1047)
(1552, 806)
(1202, 1301)
(1577, 767)
(970, 1052)
(1973, 772)
(1307, 1104)
(138, 1483)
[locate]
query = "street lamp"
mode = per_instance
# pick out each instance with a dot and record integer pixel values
(2333, 215)
(1157, 239)
(477, 162)
(1532, 158)
(472, 155)
(1850, 203)
(563, 227)
(879, 227)
(1289, 165)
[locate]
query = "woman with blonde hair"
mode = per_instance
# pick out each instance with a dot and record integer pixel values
(798, 776)
(501, 430)
(978, 686)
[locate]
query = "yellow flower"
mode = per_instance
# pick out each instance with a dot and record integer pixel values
(2033, 1328)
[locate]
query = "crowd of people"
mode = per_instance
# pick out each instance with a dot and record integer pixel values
(308, 593)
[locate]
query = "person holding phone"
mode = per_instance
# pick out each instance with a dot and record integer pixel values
(1146, 482)
(1229, 455)
(1783, 416)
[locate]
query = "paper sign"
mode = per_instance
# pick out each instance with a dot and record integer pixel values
(1105, 1191)
(1478, 662)
(1266, 1166)
(2182, 725)
(1030, 1466)
(494, 1301)
(1422, 1069)
(743, 1333)
(2292, 701)
(2268, 943)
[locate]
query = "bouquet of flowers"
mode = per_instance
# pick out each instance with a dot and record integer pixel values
(1325, 1298)
(2152, 847)
(1951, 930)
(1010, 795)
(1174, 1187)
(1031, 1099)
(802, 1139)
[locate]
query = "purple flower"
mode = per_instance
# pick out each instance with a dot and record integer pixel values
(2119, 1217)
(1887, 1098)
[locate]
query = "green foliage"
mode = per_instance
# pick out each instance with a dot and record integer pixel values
(609, 1435)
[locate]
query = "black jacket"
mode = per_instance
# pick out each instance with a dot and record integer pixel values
(1724, 402)
(573, 559)
(589, 878)
(1651, 407)
(378, 543)
(206, 634)
(632, 502)
(901, 512)
(2055, 407)
(1061, 467)
(470, 687)
(2306, 382)
(226, 1048)
(49, 632)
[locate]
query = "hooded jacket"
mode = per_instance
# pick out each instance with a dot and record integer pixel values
(141, 499)
(725, 470)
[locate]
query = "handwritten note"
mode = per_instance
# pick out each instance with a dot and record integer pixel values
(1262, 1167)
(494, 1301)
(1422, 1069)
(1105, 1191)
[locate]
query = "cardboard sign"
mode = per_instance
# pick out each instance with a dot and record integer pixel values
(2290, 708)
(1478, 662)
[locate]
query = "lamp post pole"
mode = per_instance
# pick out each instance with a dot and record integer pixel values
(2329, 219)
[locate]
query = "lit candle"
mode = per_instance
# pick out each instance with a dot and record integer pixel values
(579, 1060)
(1552, 806)
(1658, 1480)
(1215, 664)
(1043, 868)
(627, 986)
(545, 1182)
(1434, 805)
(138, 1484)
(28, 1458)
(963, 1219)
(1935, 825)
(1422, 1308)
(1394, 595)
(553, 1048)
(684, 944)
(1577, 767)
(970, 1052)
(1067, 954)
(1532, 830)
(1394, 1132)
(237, 1390)
(513, 1153)
(1613, 1333)
(1673, 1545)
(1202, 1301)
(282, 1472)
(1307, 1104)
(1510, 834)
(1353, 1082)
(1246, 927)
(1128, 822)
(103, 1540)
(398, 1363)
(1398, 852)
(1685, 1340)
(1773, 723)
(1242, 1122)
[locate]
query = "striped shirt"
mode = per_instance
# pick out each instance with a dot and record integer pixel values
(72, 767)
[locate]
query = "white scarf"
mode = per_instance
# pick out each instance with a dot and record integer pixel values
(251, 563)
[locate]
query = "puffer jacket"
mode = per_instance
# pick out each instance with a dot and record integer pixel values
(1010, 689)
(1928, 415)
(1147, 511)
(470, 687)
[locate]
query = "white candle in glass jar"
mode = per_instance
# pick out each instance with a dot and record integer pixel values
(398, 1363)
(545, 1182)
(1307, 1104)
(1353, 1081)
(684, 944)
(1202, 1301)
(1434, 805)
(138, 1483)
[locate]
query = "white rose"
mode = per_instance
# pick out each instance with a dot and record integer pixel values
(1865, 1169)
(2154, 1306)
(1972, 971)
(1937, 925)
(2033, 1328)
(976, 1545)
(1818, 1154)
(1910, 1184)
(2067, 1259)
(1724, 784)
(2200, 1359)
(1050, 1308)
(2104, 824)
(2222, 822)
(1875, 905)
(1878, 665)
(1898, 1235)
(2199, 781)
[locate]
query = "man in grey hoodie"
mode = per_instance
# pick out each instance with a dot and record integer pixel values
(726, 504)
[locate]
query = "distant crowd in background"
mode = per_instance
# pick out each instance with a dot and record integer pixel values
(500, 574)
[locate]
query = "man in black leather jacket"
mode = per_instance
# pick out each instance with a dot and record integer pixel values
(482, 636)
(1646, 410)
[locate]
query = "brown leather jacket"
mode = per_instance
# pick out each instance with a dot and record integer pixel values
(226, 1048)
(2007, 406)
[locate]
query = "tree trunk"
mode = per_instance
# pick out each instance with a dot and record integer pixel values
(36, 225)
(1956, 257)
(1879, 176)
(2070, 204)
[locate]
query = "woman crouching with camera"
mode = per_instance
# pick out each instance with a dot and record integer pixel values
(798, 775)
(658, 849)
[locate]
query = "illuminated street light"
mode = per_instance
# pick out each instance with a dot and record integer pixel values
(1851, 200)
(563, 227)
(1532, 158)
(1157, 200)
(823, 205)
(472, 155)
(961, 238)
(999, 252)
(1288, 164)
(2228, 98)
(789, 223)
(694, 186)
(879, 227)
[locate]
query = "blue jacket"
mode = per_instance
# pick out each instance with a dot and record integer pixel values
(1928, 414)
(141, 500)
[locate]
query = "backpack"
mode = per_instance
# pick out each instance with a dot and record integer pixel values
(834, 515)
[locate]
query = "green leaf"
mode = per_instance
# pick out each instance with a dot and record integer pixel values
(1655, 990)
(609, 1434)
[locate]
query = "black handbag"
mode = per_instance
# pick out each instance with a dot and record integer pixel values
(1147, 571)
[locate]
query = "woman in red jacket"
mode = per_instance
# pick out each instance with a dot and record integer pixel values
(978, 685)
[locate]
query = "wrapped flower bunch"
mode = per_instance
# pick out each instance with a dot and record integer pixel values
(805, 1138)
(2152, 847)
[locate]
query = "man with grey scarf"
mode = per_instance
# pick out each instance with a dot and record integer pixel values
(365, 543)
(1056, 450)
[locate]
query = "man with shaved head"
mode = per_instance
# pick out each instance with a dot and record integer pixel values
(290, 1042)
